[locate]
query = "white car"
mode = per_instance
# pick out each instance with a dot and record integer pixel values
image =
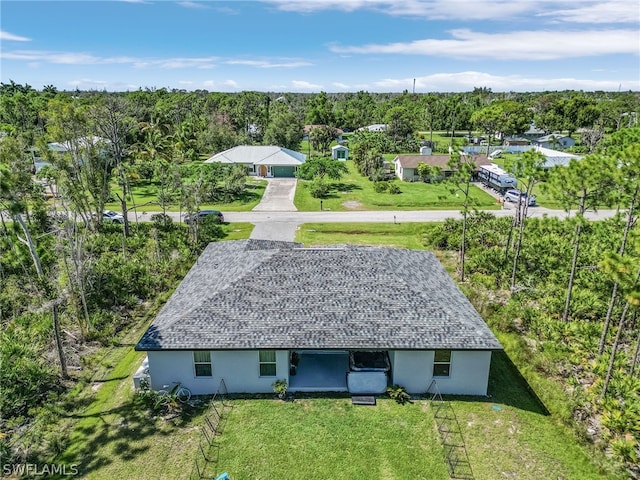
(516, 196)
(111, 216)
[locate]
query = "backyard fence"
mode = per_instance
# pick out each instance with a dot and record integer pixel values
(212, 427)
(451, 436)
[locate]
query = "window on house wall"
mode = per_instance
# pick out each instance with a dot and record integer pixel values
(267, 363)
(442, 363)
(202, 364)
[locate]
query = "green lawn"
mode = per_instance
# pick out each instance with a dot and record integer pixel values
(322, 438)
(355, 192)
(407, 235)
(145, 198)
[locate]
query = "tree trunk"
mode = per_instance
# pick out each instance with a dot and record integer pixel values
(54, 308)
(635, 358)
(524, 206)
(58, 338)
(574, 261)
(123, 200)
(614, 291)
(616, 342)
(614, 351)
(462, 245)
(29, 242)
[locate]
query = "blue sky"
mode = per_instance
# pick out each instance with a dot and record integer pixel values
(323, 45)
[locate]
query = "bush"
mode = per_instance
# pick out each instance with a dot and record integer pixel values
(394, 188)
(280, 388)
(319, 188)
(162, 221)
(399, 394)
(380, 187)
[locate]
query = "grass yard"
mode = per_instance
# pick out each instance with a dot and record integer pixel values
(510, 435)
(321, 438)
(405, 235)
(115, 438)
(355, 192)
(145, 197)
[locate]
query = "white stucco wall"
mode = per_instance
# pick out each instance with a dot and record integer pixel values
(469, 373)
(412, 369)
(239, 369)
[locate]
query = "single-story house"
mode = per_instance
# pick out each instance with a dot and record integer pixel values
(340, 152)
(262, 160)
(376, 127)
(554, 140)
(338, 318)
(516, 141)
(555, 158)
(406, 166)
(533, 132)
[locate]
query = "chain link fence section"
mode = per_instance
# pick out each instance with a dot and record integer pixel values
(208, 449)
(455, 451)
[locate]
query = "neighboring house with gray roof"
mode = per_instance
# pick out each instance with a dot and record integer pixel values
(554, 141)
(250, 312)
(262, 160)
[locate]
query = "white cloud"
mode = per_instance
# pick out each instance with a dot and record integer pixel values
(467, 81)
(522, 45)
(68, 58)
(224, 85)
(178, 62)
(341, 86)
(430, 9)
(620, 11)
(79, 58)
(579, 11)
(6, 36)
(195, 5)
(302, 85)
(267, 64)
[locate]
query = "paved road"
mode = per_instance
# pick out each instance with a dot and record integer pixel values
(276, 218)
(283, 225)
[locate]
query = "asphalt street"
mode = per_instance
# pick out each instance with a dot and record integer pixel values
(276, 218)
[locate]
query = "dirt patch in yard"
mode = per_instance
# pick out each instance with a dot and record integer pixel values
(352, 205)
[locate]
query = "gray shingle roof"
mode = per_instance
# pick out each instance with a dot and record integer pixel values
(250, 294)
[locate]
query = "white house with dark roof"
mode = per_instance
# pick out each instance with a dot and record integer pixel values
(262, 160)
(341, 318)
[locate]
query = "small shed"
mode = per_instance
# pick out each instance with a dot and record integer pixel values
(339, 152)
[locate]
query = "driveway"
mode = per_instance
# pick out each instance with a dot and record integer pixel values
(278, 197)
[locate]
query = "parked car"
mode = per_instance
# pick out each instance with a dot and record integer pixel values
(518, 196)
(202, 214)
(111, 216)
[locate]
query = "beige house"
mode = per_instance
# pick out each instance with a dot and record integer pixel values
(406, 166)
